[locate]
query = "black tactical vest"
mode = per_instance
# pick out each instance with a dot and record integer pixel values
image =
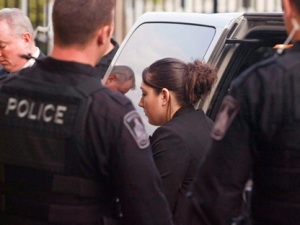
(41, 128)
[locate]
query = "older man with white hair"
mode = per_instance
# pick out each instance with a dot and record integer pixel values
(16, 40)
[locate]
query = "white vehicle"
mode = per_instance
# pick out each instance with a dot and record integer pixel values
(232, 42)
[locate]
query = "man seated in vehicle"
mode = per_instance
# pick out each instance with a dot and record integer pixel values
(121, 79)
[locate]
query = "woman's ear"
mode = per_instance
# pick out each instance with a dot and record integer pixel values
(165, 96)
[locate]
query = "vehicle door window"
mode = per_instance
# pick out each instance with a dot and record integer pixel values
(153, 41)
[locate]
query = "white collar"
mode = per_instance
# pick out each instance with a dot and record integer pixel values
(30, 62)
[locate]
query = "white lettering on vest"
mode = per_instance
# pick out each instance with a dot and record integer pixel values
(58, 118)
(11, 105)
(47, 108)
(45, 112)
(31, 116)
(25, 105)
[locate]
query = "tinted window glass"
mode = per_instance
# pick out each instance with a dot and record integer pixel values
(153, 41)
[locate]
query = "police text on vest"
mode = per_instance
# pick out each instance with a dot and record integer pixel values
(33, 111)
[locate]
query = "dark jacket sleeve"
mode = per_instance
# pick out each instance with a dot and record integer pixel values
(171, 157)
(3, 72)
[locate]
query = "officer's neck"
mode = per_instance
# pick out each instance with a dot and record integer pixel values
(84, 56)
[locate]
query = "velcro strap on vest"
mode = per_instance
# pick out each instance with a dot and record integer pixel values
(57, 213)
(21, 178)
(80, 214)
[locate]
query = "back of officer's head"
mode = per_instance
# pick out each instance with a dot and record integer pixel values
(296, 4)
(76, 21)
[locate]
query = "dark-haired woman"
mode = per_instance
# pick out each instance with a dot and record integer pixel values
(170, 88)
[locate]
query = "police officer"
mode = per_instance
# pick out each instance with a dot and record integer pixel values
(256, 132)
(105, 61)
(68, 146)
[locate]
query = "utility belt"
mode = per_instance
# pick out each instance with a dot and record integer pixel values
(16, 209)
(17, 220)
(54, 198)
(56, 213)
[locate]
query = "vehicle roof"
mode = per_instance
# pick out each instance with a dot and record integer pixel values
(208, 19)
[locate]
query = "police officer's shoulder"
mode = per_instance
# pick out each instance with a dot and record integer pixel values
(289, 61)
(124, 109)
(252, 69)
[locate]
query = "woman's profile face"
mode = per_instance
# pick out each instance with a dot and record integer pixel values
(152, 104)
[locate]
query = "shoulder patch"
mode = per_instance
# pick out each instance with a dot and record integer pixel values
(228, 110)
(133, 122)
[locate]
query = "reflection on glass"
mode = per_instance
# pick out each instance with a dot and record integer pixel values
(153, 41)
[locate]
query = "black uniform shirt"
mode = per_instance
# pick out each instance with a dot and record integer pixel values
(117, 154)
(256, 131)
(105, 61)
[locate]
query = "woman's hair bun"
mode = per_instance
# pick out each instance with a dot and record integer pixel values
(199, 80)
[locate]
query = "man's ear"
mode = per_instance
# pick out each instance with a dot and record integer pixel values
(104, 34)
(165, 96)
(110, 79)
(26, 37)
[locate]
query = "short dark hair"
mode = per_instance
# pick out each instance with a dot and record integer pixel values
(123, 74)
(76, 21)
(297, 4)
(189, 81)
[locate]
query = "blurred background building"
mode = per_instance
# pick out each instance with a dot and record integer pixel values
(127, 11)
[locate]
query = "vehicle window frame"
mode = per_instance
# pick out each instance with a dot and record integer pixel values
(238, 57)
